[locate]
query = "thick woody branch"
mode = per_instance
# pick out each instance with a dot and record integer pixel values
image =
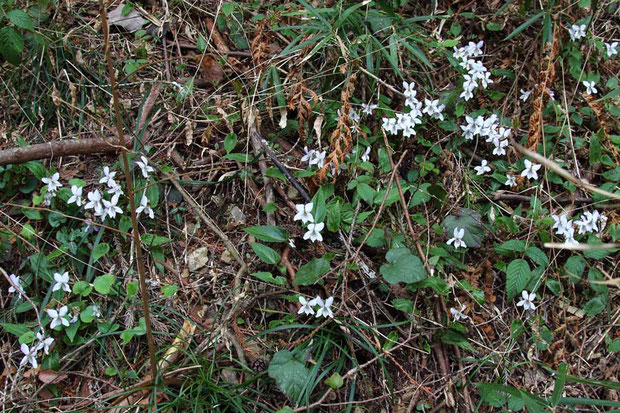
(65, 147)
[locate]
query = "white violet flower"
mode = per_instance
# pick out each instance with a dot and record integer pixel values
(94, 202)
(76, 197)
(324, 307)
(480, 170)
(525, 94)
(144, 207)
(110, 208)
(366, 155)
(144, 166)
(458, 233)
(528, 300)
(369, 108)
(576, 32)
(16, 285)
(318, 159)
(304, 213)
(58, 316)
(62, 281)
(611, 49)
(511, 180)
(305, 306)
(433, 108)
(530, 170)
(44, 343)
(590, 89)
(309, 155)
(314, 232)
(459, 314)
(30, 355)
(52, 182)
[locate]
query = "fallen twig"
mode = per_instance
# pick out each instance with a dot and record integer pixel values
(66, 147)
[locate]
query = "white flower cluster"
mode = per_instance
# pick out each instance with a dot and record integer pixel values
(577, 31)
(53, 184)
(314, 157)
(30, 353)
(406, 122)
(101, 206)
(324, 306)
(304, 213)
(489, 128)
(477, 74)
(587, 222)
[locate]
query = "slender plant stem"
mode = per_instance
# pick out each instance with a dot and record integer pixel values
(130, 192)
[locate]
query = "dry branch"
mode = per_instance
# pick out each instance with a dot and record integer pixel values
(61, 148)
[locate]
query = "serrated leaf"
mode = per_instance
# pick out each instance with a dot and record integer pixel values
(20, 19)
(518, 275)
(537, 255)
(11, 45)
(402, 266)
(308, 273)
(290, 373)
(265, 253)
(574, 267)
(268, 233)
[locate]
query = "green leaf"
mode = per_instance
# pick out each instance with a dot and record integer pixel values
(469, 220)
(595, 306)
(451, 336)
(20, 19)
(201, 44)
(333, 216)
(290, 373)
(560, 380)
(312, 271)
(518, 274)
(168, 290)
(537, 255)
(230, 141)
(15, 329)
(334, 381)
(131, 288)
(154, 240)
(103, 283)
(402, 266)
(403, 304)
(525, 25)
(510, 246)
(88, 314)
(99, 251)
(265, 253)
(72, 330)
(269, 278)
(239, 157)
(574, 267)
(82, 288)
(268, 233)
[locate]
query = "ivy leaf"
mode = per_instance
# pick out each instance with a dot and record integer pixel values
(402, 266)
(518, 275)
(312, 271)
(268, 233)
(265, 253)
(290, 372)
(469, 220)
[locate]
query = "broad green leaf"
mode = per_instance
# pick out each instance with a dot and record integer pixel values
(152, 240)
(131, 288)
(82, 288)
(518, 274)
(268, 233)
(469, 220)
(402, 266)
(574, 267)
(265, 253)
(20, 19)
(103, 283)
(290, 373)
(269, 278)
(88, 314)
(11, 45)
(310, 272)
(168, 290)
(15, 329)
(595, 306)
(99, 251)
